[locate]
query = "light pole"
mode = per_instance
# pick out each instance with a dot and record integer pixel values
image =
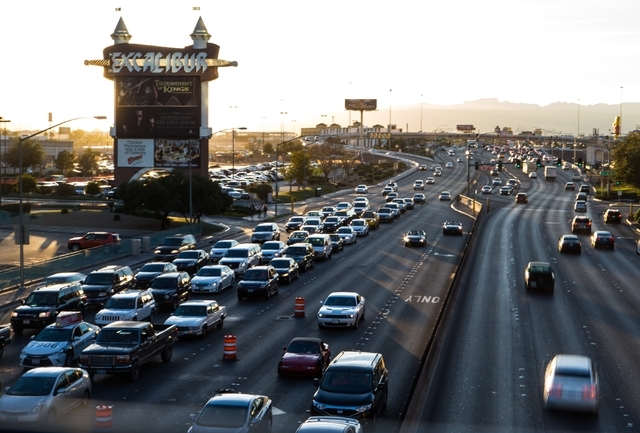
(421, 113)
(293, 126)
(575, 139)
(389, 126)
(4, 154)
(21, 232)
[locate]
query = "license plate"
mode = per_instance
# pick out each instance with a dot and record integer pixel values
(35, 361)
(101, 372)
(250, 290)
(26, 322)
(335, 321)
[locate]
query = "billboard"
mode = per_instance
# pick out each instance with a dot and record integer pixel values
(135, 153)
(465, 128)
(176, 153)
(361, 104)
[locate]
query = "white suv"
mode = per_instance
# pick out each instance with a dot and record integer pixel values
(129, 305)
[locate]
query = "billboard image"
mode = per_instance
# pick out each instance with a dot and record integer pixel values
(155, 107)
(176, 153)
(135, 153)
(361, 104)
(465, 128)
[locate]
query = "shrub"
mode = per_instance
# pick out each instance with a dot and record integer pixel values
(64, 210)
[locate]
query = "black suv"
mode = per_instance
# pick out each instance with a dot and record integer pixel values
(354, 385)
(171, 289)
(302, 253)
(612, 216)
(43, 305)
(258, 282)
(171, 246)
(539, 276)
(104, 282)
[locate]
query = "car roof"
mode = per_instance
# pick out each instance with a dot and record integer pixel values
(198, 302)
(47, 371)
(56, 287)
(572, 363)
(231, 399)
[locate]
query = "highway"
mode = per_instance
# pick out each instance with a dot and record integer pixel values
(404, 288)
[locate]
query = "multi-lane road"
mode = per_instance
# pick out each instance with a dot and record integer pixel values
(489, 375)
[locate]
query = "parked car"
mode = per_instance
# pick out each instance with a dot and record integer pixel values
(258, 282)
(212, 279)
(304, 356)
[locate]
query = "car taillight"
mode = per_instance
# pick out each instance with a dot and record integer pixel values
(611, 239)
(589, 392)
(556, 391)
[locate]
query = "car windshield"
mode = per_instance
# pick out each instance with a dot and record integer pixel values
(271, 246)
(42, 298)
(209, 272)
(32, 386)
(296, 219)
(221, 416)
(342, 301)
(303, 347)
(188, 255)
(256, 275)
(347, 382)
(332, 220)
(223, 244)
(358, 223)
(152, 267)
(263, 228)
(344, 230)
(99, 279)
(299, 235)
(171, 242)
(414, 233)
(164, 283)
(316, 242)
(236, 253)
(54, 334)
(120, 304)
(297, 251)
(279, 263)
(191, 310)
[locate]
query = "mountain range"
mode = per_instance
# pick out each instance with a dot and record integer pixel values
(559, 118)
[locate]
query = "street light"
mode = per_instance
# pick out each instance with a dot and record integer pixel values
(3, 120)
(20, 234)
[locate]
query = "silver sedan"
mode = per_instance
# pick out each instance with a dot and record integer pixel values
(571, 383)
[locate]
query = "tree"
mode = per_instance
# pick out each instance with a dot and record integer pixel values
(625, 160)
(29, 184)
(88, 161)
(64, 161)
(300, 168)
(32, 154)
(268, 149)
(93, 188)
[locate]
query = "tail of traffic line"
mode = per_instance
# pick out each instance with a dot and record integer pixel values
(230, 348)
(104, 419)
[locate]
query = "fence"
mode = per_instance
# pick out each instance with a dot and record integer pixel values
(83, 259)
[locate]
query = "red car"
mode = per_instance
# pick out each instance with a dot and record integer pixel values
(304, 357)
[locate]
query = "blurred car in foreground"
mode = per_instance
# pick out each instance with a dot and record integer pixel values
(305, 356)
(42, 395)
(230, 412)
(330, 424)
(571, 383)
(569, 244)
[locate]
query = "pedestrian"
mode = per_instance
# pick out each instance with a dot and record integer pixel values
(264, 210)
(252, 210)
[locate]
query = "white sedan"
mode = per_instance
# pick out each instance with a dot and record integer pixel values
(214, 278)
(195, 318)
(348, 234)
(360, 226)
(362, 189)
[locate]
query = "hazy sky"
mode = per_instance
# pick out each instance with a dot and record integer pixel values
(304, 58)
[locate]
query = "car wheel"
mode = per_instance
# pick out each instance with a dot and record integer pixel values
(220, 323)
(75, 247)
(289, 279)
(204, 332)
(68, 359)
(1, 349)
(356, 325)
(167, 353)
(268, 296)
(363, 312)
(174, 305)
(134, 375)
(85, 398)
(152, 315)
(269, 425)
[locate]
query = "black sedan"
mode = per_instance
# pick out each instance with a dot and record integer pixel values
(419, 198)
(337, 243)
(452, 228)
(191, 260)
(415, 237)
(569, 244)
(286, 267)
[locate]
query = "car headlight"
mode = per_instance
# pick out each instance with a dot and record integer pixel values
(167, 296)
(103, 293)
(122, 359)
(365, 408)
(191, 263)
(194, 328)
(350, 316)
(322, 315)
(44, 314)
(14, 314)
(175, 251)
(319, 405)
(38, 407)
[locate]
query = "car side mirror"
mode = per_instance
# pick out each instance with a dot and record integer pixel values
(316, 381)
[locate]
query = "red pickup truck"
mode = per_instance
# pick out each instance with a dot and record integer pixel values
(93, 239)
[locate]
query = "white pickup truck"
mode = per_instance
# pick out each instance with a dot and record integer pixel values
(195, 318)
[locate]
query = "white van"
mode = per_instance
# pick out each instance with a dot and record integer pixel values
(322, 246)
(242, 257)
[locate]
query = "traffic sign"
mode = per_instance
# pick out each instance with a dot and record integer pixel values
(606, 173)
